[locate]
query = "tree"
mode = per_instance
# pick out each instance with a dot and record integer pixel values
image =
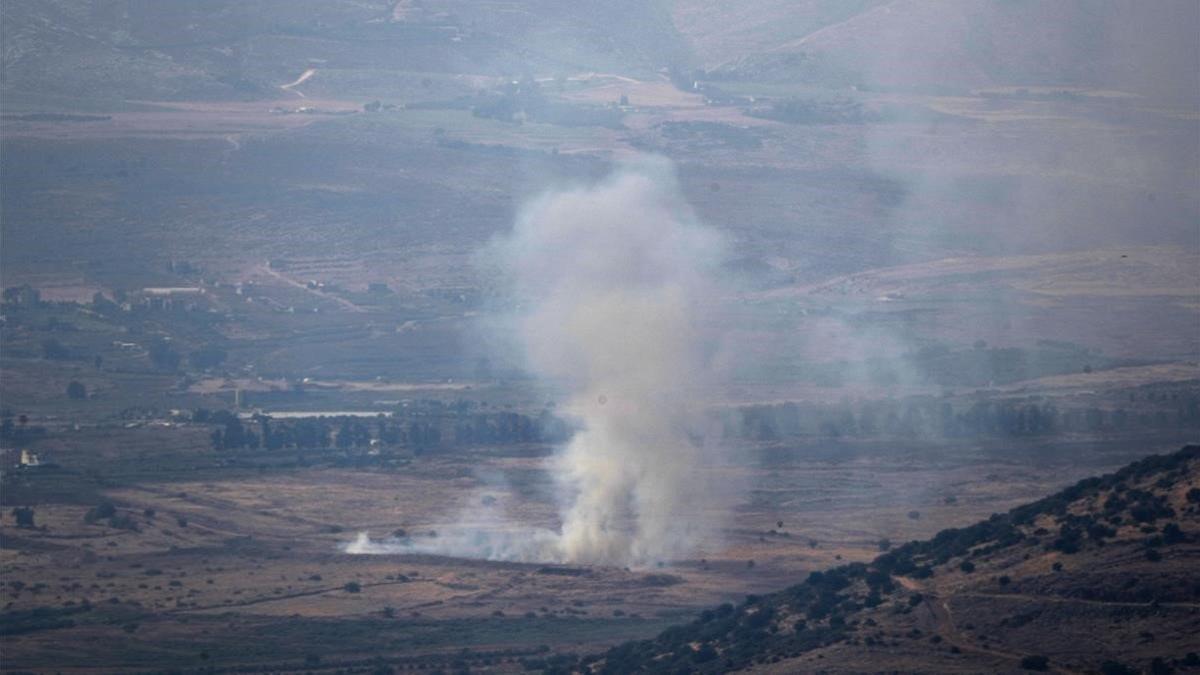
(53, 349)
(207, 357)
(24, 517)
(76, 391)
(99, 512)
(234, 435)
(163, 355)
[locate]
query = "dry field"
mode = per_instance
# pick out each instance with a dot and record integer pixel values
(239, 554)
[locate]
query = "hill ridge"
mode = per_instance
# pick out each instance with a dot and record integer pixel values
(1115, 523)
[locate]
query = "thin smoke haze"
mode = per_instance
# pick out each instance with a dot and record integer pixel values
(613, 280)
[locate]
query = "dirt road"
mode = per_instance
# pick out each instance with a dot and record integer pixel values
(265, 268)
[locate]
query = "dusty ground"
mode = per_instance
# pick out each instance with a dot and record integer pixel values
(254, 549)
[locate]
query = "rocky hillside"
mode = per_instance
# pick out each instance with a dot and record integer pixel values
(1101, 577)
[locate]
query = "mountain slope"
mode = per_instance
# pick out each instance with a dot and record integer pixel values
(222, 50)
(1098, 577)
(1147, 48)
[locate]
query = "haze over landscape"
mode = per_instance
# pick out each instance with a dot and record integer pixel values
(529, 336)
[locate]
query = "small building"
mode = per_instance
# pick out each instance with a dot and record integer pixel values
(172, 291)
(188, 298)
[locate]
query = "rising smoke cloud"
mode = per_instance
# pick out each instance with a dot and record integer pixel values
(612, 281)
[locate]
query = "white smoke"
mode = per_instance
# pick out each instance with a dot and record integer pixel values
(613, 281)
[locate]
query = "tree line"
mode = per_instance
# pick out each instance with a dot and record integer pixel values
(930, 417)
(418, 432)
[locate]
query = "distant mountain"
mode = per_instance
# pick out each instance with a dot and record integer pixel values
(1139, 47)
(1100, 577)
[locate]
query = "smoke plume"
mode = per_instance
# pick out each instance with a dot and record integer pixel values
(611, 281)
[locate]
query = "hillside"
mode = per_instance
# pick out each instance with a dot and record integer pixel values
(61, 53)
(1114, 44)
(1099, 577)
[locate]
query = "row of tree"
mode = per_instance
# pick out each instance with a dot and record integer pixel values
(433, 425)
(420, 432)
(916, 417)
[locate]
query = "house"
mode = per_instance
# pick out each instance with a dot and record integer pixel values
(170, 297)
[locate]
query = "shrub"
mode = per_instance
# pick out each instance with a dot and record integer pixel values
(1036, 662)
(352, 587)
(1116, 668)
(967, 566)
(124, 522)
(99, 512)
(704, 654)
(24, 517)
